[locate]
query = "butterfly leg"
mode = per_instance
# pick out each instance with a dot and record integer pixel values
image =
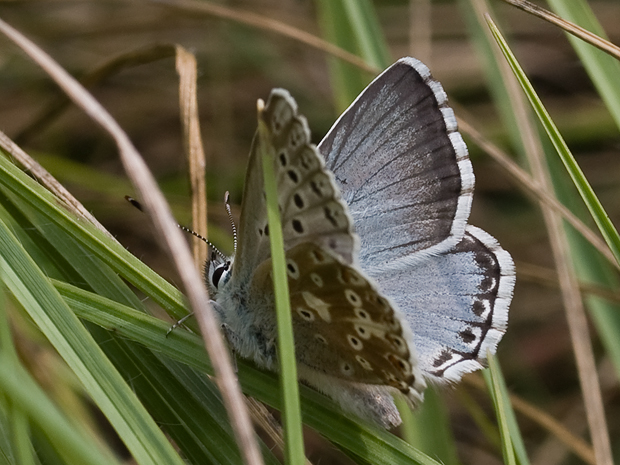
(179, 323)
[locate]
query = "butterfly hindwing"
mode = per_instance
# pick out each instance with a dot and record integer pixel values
(344, 327)
(457, 304)
(410, 203)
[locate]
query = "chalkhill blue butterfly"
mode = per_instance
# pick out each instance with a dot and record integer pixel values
(390, 287)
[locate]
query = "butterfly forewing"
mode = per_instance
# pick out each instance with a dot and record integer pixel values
(309, 199)
(401, 166)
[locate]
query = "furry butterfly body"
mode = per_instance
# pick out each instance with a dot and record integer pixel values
(389, 285)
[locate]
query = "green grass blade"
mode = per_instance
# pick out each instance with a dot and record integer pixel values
(347, 81)
(513, 447)
(370, 40)
(75, 447)
(353, 26)
(15, 444)
(108, 390)
(595, 207)
(602, 68)
(320, 413)
(428, 428)
(12, 180)
(293, 436)
(194, 430)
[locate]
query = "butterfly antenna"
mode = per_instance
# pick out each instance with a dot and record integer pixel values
(232, 221)
(134, 202)
(138, 205)
(195, 234)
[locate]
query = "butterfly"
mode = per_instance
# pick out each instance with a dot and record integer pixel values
(390, 288)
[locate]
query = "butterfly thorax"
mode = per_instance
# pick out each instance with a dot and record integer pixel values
(241, 313)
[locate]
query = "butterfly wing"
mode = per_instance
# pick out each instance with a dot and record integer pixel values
(309, 200)
(343, 326)
(457, 304)
(404, 171)
(402, 167)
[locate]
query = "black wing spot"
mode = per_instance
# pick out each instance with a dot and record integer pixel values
(355, 342)
(468, 336)
(478, 308)
(299, 202)
(293, 176)
(297, 226)
(283, 160)
(445, 356)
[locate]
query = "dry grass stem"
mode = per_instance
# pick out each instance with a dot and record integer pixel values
(186, 68)
(571, 28)
(49, 181)
(575, 312)
(170, 236)
(270, 25)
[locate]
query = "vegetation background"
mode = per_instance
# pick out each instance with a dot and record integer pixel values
(237, 65)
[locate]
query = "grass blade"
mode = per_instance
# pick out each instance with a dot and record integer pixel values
(602, 68)
(293, 437)
(25, 394)
(513, 447)
(108, 390)
(595, 207)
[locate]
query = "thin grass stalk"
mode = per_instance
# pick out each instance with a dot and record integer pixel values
(572, 28)
(500, 401)
(270, 25)
(293, 436)
(575, 313)
(171, 236)
(602, 68)
(194, 152)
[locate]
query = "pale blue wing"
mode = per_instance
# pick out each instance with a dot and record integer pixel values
(456, 304)
(402, 167)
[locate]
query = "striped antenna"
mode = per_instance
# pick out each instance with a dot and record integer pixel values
(232, 221)
(138, 205)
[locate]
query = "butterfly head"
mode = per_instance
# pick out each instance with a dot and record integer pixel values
(217, 272)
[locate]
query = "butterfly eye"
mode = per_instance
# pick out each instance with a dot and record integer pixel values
(221, 270)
